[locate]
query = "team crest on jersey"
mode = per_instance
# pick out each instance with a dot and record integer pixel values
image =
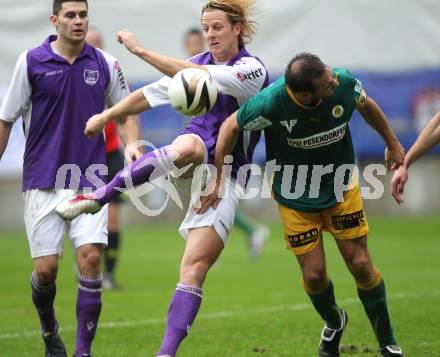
(91, 77)
(338, 111)
(289, 124)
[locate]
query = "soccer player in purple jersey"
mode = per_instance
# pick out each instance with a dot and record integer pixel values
(227, 25)
(56, 87)
(256, 234)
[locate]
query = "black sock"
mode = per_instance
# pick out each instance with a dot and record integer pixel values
(111, 252)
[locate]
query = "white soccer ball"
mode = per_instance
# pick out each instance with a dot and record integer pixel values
(192, 92)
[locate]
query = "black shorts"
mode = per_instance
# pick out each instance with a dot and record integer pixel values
(115, 163)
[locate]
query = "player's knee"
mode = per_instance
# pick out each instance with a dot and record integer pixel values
(46, 274)
(90, 263)
(315, 279)
(190, 150)
(361, 267)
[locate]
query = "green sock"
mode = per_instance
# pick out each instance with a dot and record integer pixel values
(325, 304)
(243, 222)
(375, 305)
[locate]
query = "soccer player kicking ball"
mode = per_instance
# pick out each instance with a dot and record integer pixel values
(56, 87)
(428, 138)
(305, 116)
(227, 26)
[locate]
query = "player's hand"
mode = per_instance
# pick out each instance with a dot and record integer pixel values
(129, 40)
(398, 182)
(95, 125)
(394, 156)
(132, 152)
(212, 200)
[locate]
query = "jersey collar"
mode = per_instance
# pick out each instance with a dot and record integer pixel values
(241, 53)
(49, 55)
(297, 102)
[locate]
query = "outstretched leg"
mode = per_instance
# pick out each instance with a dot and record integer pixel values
(203, 247)
(185, 150)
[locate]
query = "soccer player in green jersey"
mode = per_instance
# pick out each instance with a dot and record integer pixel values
(305, 116)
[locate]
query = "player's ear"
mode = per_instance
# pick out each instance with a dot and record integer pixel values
(238, 27)
(54, 20)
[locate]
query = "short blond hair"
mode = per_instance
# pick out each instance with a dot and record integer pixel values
(237, 11)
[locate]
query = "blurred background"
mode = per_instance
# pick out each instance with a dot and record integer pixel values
(391, 46)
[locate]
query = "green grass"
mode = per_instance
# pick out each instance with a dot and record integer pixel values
(249, 308)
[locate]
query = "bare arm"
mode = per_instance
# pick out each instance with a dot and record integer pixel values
(5, 131)
(130, 134)
(130, 129)
(169, 66)
(226, 141)
(429, 137)
(134, 104)
(374, 116)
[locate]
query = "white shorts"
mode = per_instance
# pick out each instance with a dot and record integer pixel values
(220, 218)
(46, 229)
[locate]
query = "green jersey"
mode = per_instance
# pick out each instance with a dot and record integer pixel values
(304, 140)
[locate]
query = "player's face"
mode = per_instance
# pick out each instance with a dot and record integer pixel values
(72, 21)
(325, 85)
(194, 44)
(220, 35)
(93, 38)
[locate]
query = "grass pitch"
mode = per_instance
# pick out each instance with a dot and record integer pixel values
(249, 308)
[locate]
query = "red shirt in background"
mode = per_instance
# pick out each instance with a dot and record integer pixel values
(112, 141)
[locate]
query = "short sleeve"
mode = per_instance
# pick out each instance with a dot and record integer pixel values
(252, 116)
(18, 96)
(242, 80)
(117, 88)
(156, 93)
(360, 96)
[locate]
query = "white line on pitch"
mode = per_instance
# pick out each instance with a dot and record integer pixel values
(212, 315)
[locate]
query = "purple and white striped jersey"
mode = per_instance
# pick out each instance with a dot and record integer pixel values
(237, 81)
(55, 99)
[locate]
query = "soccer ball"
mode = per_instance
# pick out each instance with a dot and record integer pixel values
(192, 92)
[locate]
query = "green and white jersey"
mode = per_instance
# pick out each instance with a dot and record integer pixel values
(303, 139)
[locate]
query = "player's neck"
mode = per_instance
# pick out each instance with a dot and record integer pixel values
(305, 101)
(226, 56)
(68, 49)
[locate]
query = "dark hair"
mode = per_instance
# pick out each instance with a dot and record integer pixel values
(302, 70)
(57, 4)
(193, 31)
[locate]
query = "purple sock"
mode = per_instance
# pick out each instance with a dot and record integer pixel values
(181, 314)
(88, 308)
(43, 296)
(150, 166)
